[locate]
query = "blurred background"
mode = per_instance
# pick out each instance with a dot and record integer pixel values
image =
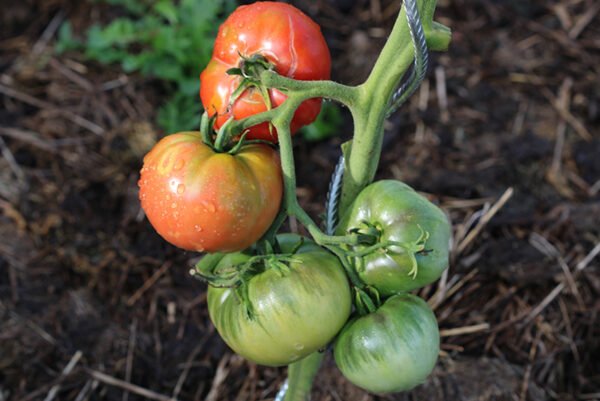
(504, 134)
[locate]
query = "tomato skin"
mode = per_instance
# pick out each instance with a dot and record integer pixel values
(400, 214)
(294, 314)
(200, 200)
(288, 39)
(392, 349)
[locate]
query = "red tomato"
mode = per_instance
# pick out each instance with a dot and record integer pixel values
(288, 39)
(205, 201)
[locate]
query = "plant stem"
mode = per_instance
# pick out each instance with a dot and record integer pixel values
(362, 156)
(290, 202)
(301, 375)
(347, 95)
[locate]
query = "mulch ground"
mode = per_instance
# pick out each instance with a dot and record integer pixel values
(504, 134)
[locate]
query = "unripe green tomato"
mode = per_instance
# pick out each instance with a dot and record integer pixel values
(401, 215)
(392, 349)
(294, 313)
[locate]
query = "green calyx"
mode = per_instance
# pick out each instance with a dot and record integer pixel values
(372, 242)
(225, 140)
(237, 269)
(250, 69)
(366, 300)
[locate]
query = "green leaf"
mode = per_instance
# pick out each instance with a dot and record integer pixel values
(66, 41)
(167, 10)
(135, 7)
(180, 113)
(166, 39)
(189, 86)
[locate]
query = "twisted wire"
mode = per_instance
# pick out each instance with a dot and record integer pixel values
(421, 57)
(281, 394)
(333, 198)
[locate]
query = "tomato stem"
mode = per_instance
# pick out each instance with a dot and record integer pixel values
(348, 95)
(206, 124)
(290, 202)
(301, 375)
(223, 136)
(341, 254)
(376, 94)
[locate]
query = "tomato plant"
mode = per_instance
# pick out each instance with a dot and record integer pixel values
(417, 233)
(288, 40)
(280, 299)
(201, 200)
(289, 313)
(392, 349)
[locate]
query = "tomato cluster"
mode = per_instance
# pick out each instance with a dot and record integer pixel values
(395, 347)
(278, 299)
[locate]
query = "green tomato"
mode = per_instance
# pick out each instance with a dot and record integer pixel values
(392, 349)
(294, 312)
(401, 215)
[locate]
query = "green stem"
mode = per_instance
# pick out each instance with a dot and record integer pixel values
(354, 278)
(290, 201)
(301, 375)
(223, 136)
(362, 156)
(347, 95)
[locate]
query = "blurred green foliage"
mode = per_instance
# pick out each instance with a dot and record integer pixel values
(327, 124)
(166, 39)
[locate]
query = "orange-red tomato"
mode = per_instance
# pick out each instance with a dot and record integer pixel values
(205, 201)
(288, 39)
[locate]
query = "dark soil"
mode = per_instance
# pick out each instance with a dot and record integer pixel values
(504, 134)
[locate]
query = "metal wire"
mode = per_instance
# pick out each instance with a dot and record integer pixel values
(333, 198)
(281, 394)
(421, 57)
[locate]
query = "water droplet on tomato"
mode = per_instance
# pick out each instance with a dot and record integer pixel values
(210, 207)
(178, 165)
(198, 228)
(173, 205)
(293, 358)
(180, 189)
(299, 346)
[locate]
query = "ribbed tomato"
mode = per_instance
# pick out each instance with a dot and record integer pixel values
(288, 39)
(392, 349)
(400, 215)
(201, 200)
(294, 312)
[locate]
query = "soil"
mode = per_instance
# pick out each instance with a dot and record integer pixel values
(504, 134)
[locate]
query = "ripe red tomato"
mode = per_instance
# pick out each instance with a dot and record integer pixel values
(288, 39)
(205, 201)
